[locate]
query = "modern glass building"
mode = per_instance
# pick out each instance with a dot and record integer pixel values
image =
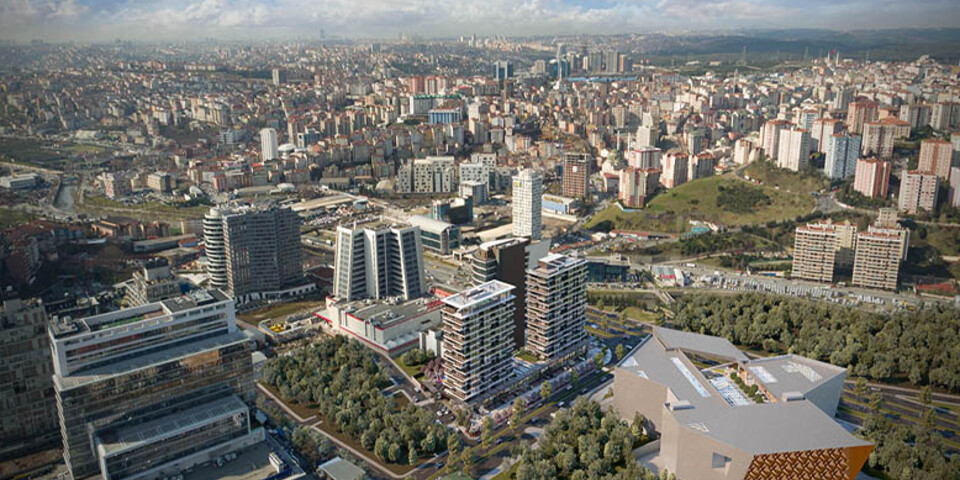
(149, 391)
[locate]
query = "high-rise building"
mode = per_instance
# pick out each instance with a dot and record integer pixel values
(794, 150)
(842, 152)
(527, 204)
(253, 251)
(953, 190)
(815, 253)
(278, 76)
(918, 190)
(916, 115)
(477, 341)
(268, 144)
(770, 137)
(28, 408)
(877, 263)
(842, 99)
(378, 260)
(944, 116)
(556, 307)
(872, 178)
(823, 129)
(502, 70)
(675, 167)
(576, 174)
(636, 184)
(644, 157)
(743, 152)
(116, 185)
(154, 389)
(701, 166)
(505, 260)
(860, 113)
(647, 136)
(879, 137)
(936, 156)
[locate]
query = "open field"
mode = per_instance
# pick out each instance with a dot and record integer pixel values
(10, 217)
(669, 212)
(800, 183)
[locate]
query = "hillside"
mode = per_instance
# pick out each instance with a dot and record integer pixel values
(723, 199)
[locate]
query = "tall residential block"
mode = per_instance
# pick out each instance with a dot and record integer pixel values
(675, 169)
(528, 204)
(770, 137)
(28, 409)
(637, 184)
(842, 152)
(936, 156)
(953, 190)
(253, 251)
(815, 253)
(576, 174)
(872, 178)
(794, 150)
(150, 391)
(861, 113)
(880, 137)
(823, 129)
(877, 264)
(556, 307)
(268, 144)
(477, 341)
(378, 260)
(918, 190)
(505, 260)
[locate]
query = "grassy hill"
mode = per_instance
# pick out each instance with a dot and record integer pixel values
(725, 199)
(796, 182)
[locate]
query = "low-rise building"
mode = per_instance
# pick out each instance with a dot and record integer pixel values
(392, 326)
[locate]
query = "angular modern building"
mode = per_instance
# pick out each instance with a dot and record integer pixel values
(556, 307)
(254, 252)
(477, 341)
(28, 410)
(149, 391)
(527, 206)
(378, 260)
(712, 429)
(436, 235)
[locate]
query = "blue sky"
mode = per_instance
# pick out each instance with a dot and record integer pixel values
(252, 19)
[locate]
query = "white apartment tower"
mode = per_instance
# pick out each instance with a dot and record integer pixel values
(794, 149)
(268, 144)
(527, 204)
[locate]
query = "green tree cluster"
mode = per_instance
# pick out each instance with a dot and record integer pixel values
(583, 442)
(344, 379)
(919, 346)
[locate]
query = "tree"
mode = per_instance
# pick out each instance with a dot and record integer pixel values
(453, 445)
(516, 415)
(574, 377)
(487, 431)
(412, 457)
(926, 395)
(638, 424)
(598, 360)
(545, 390)
(466, 460)
(860, 387)
(876, 401)
(621, 351)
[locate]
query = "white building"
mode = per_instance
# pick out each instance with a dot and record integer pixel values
(527, 204)
(268, 144)
(378, 260)
(793, 151)
(842, 152)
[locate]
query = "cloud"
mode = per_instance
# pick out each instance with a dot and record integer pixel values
(381, 18)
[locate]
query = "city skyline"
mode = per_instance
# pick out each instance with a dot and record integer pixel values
(107, 20)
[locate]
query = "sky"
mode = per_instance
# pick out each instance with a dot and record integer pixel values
(105, 20)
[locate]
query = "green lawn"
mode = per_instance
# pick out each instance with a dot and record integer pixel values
(95, 201)
(796, 182)
(670, 211)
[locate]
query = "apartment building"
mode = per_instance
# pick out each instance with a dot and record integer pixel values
(28, 410)
(822, 130)
(918, 190)
(150, 391)
(253, 251)
(505, 260)
(556, 307)
(936, 156)
(879, 253)
(794, 150)
(636, 185)
(675, 171)
(477, 341)
(378, 260)
(842, 152)
(872, 178)
(880, 137)
(815, 253)
(576, 174)
(770, 137)
(860, 113)
(152, 283)
(528, 204)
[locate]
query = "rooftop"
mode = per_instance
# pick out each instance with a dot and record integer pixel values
(478, 294)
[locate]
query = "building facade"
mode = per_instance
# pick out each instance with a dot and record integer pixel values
(378, 260)
(794, 150)
(268, 145)
(556, 307)
(576, 175)
(936, 156)
(842, 152)
(527, 204)
(872, 178)
(877, 263)
(477, 341)
(918, 190)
